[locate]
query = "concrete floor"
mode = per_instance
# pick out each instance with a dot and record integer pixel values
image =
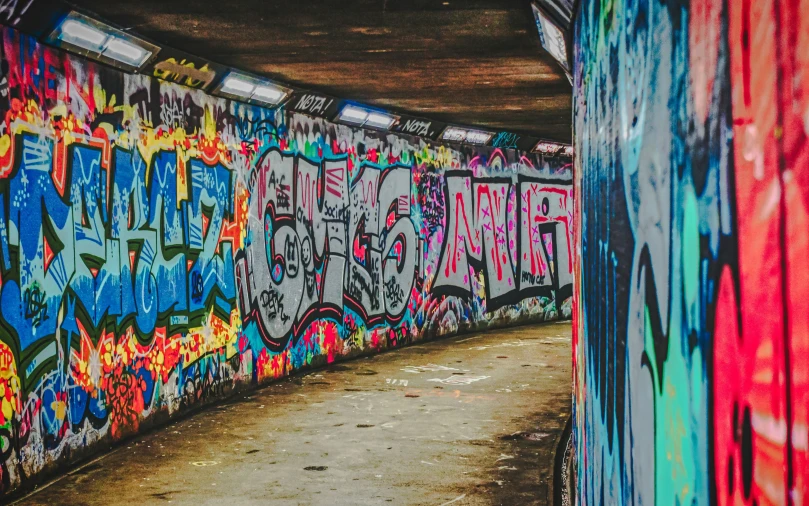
(470, 420)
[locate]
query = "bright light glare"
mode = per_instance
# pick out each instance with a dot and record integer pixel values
(236, 86)
(269, 94)
(380, 120)
(85, 36)
(131, 52)
(94, 39)
(353, 114)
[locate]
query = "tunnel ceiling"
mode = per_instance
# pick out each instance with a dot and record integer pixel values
(475, 62)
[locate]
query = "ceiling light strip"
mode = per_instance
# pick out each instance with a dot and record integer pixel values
(88, 37)
(360, 116)
(252, 89)
(94, 39)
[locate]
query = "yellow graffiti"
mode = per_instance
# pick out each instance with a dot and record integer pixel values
(184, 72)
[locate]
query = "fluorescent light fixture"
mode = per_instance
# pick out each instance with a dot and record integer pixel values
(353, 114)
(359, 116)
(457, 134)
(553, 148)
(81, 33)
(91, 38)
(125, 51)
(238, 87)
(546, 148)
(272, 94)
(252, 89)
(379, 120)
(477, 137)
(454, 134)
(551, 37)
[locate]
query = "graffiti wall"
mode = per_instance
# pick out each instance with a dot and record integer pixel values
(692, 328)
(160, 247)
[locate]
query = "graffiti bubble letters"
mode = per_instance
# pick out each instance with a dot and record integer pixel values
(100, 254)
(545, 251)
(319, 242)
(481, 236)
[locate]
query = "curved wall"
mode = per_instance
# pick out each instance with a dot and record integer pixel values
(160, 247)
(692, 328)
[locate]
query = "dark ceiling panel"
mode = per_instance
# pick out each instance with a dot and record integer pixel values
(475, 62)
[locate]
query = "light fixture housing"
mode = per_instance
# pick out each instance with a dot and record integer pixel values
(552, 38)
(252, 89)
(88, 37)
(353, 114)
(370, 118)
(458, 134)
(553, 149)
(478, 137)
(454, 134)
(379, 120)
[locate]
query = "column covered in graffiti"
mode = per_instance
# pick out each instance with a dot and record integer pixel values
(690, 341)
(160, 247)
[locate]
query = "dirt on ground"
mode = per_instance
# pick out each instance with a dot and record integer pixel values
(469, 420)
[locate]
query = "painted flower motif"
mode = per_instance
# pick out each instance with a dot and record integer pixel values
(162, 357)
(126, 350)
(90, 364)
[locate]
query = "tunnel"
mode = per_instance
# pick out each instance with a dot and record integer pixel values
(416, 252)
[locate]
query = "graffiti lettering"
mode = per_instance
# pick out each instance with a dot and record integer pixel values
(184, 72)
(416, 127)
(11, 11)
(36, 308)
(290, 250)
(159, 246)
(480, 237)
(505, 140)
(312, 104)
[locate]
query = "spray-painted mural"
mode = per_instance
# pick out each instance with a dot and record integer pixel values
(691, 337)
(159, 247)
